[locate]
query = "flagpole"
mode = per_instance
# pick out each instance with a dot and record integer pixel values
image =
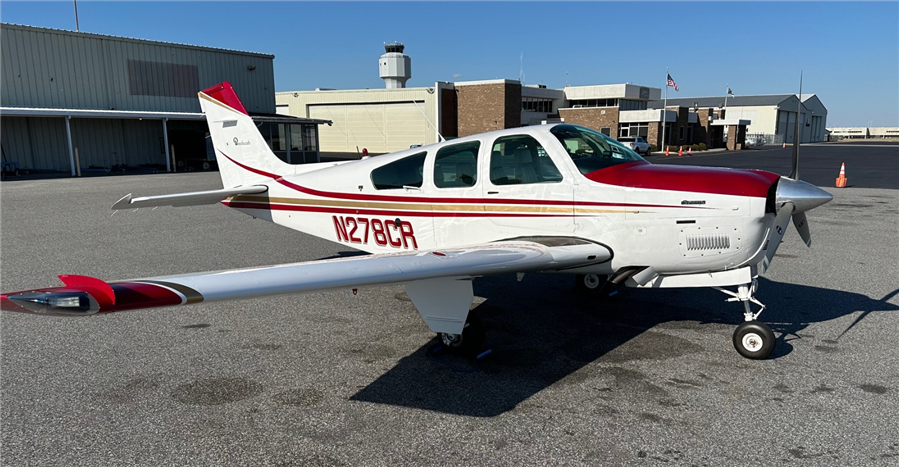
(725, 97)
(665, 112)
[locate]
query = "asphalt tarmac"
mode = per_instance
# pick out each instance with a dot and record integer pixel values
(868, 164)
(648, 378)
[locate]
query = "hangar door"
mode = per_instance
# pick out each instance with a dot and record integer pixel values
(381, 127)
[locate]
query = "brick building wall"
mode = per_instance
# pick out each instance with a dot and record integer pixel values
(488, 107)
(595, 118)
(736, 137)
(703, 133)
(654, 134)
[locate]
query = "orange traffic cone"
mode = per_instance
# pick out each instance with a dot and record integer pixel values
(841, 180)
(690, 151)
(680, 151)
(666, 151)
(785, 145)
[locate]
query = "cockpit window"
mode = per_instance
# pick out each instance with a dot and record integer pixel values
(398, 174)
(591, 150)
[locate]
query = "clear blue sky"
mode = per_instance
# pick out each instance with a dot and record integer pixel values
(849, 52)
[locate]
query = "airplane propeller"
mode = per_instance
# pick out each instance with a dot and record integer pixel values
(794, 198)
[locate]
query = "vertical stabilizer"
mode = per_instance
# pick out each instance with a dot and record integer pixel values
(244, 157)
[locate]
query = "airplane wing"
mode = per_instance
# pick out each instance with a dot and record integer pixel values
(438, 281)
(186, 199)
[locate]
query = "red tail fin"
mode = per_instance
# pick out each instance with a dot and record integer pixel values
(225, 94)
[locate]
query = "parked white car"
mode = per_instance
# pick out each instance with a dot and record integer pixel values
(637, 143)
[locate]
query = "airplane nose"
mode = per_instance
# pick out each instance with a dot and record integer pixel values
(803, 195)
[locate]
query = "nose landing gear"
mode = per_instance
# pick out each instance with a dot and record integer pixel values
(752, 339)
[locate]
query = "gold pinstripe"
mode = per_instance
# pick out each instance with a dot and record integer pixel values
(190, 294)
(426, 207)
(220, 104)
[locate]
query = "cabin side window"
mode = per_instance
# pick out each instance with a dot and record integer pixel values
(397, 174)
(520, 159)
(457, 165)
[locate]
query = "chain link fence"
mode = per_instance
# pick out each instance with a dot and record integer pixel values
(763, 139)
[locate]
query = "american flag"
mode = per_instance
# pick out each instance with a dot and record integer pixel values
(671, 82)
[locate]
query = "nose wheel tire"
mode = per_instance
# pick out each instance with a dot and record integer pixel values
(470, 342)
(754, 340)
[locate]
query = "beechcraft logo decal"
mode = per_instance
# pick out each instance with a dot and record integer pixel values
(238, 142)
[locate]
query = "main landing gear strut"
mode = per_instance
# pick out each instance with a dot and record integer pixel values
(752, 339)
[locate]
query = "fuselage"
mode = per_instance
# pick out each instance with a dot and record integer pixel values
(538, 181)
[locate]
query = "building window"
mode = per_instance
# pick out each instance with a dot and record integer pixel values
(292, 143)
(398, 174)
(457, 165)
(625, 104)
(633, 129)
(536, 104)
(594, 103)
(518, 160)
(606, 131)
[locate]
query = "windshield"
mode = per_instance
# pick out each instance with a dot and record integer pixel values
(591, 150)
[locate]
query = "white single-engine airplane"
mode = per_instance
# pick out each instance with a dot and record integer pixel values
(551, 198)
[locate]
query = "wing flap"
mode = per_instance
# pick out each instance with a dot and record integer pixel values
(186, 199)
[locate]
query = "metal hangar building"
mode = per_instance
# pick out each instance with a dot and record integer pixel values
(123, 103)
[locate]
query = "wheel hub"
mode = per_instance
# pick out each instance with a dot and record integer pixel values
(591, 281)
(752, 342)
(451, 340)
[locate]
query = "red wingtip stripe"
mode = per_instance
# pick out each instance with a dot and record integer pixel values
(99, 289)
(225, 94)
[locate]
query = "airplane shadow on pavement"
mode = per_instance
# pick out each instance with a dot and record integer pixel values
(541, 333)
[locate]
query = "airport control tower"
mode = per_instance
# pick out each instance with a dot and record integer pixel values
(395, 66)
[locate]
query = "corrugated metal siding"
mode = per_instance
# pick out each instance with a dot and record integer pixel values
(107, 142)
(35, 143)
(379, 128)
(61, 69)
(40, 143)
(381, 120)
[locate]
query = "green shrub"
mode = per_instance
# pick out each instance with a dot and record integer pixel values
(702, 147)
(695, 147)
(653, 147)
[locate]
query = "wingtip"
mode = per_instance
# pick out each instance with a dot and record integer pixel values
(123, 203)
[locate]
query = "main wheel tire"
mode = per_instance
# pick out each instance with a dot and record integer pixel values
(754, 340)
(591, 284)
(470, 342)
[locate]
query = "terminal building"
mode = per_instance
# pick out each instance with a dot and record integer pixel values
(397, 117)
(116, 103)
(862, 132)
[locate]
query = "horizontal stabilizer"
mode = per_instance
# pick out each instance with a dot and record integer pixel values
(186, 199)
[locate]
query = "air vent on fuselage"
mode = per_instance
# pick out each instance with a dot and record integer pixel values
(707, 241)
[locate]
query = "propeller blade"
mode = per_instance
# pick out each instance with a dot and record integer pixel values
(801, 224)
(777, 234)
